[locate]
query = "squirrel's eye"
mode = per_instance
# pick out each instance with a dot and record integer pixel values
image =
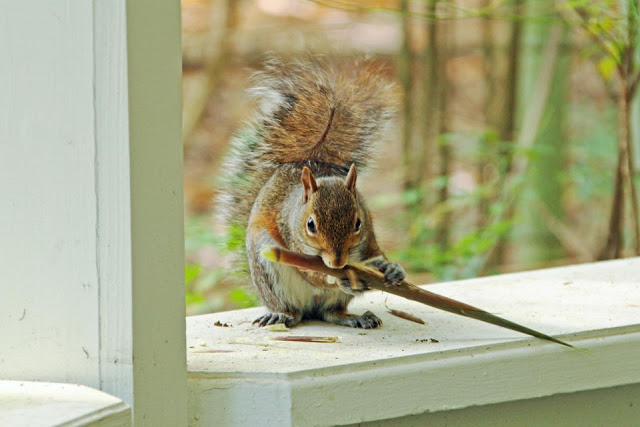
(358, 225)
(311, 226)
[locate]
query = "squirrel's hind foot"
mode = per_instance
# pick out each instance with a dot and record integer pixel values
(288, 319)
(367, 320)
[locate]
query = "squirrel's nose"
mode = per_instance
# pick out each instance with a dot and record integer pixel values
(334, 261)
(337, 263)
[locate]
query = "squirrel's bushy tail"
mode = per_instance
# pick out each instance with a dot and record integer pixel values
(308, 111)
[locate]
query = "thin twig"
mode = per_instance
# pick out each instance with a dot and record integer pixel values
(633, 82)
(305, 338)
(406, 316)
(572, 16)
(403, 314)
(375, 279)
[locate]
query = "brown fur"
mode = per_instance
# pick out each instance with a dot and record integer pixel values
(312, 111)
(288, 200)
(328, 113)
(318, 123)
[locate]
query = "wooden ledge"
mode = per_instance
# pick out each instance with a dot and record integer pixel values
(34, 404)
(238, 374)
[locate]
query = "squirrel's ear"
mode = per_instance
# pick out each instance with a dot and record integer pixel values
(352, 176)
(309, 183)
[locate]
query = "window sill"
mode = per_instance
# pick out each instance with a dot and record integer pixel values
(27, 403)
(239, 375)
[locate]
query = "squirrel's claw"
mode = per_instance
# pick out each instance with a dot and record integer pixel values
(273, 318)
(393, 272)
(367, 320)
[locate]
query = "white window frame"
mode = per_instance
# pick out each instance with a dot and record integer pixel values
(93, 249)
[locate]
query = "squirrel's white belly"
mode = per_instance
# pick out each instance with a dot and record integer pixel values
(294, 289)
(291, 288)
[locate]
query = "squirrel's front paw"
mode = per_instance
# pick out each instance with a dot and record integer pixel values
(393, 272)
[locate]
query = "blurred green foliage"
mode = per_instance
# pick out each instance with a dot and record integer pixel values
(214, 287)
(586, 177)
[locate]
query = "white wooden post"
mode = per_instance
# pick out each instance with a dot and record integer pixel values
(157, 224)
(91, 243)
(50, 299)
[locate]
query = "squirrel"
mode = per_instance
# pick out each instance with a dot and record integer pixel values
(291, 181)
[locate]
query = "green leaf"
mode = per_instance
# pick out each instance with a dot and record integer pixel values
(191, 273)
(606, 67)
(192, 298)
(441, 182)
(411, 197)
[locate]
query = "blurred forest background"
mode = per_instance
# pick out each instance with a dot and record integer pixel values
(517, 140)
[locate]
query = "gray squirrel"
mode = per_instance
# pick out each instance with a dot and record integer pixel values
(291, 181)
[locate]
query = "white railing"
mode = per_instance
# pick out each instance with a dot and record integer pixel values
(40, 404)
(239, 375)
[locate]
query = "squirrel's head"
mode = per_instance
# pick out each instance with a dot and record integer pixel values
(332, 221)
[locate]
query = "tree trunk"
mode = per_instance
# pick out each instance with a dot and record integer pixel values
(508, 124)
(613, 246)
(630, 85)
(445, 33)
(502, 108)
(485, 153)
(213, 69)
(543, 188)
(431, 84)
(625, 170)
(405, 65)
